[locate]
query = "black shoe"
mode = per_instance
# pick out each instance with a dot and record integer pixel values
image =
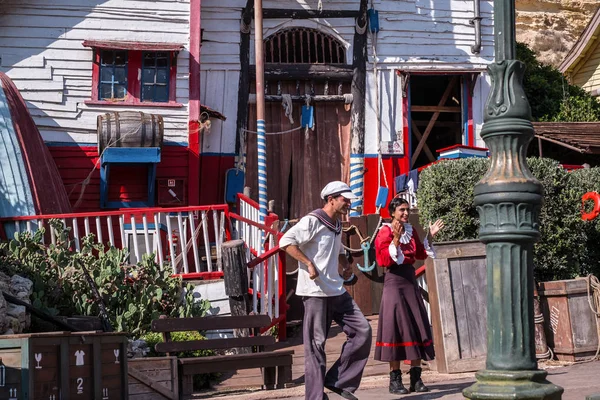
(344, 393)
(396, 386)
(325, 397)
(416, 384)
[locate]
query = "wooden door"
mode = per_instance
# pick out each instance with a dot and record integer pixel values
(300, 163)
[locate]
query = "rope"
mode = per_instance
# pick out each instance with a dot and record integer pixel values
(360, 29)
(275, 133)
(380, 166)
(286, 103)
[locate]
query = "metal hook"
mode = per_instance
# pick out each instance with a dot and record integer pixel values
(367, 268)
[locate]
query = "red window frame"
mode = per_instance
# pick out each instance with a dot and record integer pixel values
(134, 83)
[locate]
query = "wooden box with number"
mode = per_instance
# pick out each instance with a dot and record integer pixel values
(63, 366)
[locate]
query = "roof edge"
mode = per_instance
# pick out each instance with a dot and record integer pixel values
(574, 55)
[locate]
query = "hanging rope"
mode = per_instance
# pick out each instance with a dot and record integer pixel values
(286, 103)
(593, 295)
(276, 133)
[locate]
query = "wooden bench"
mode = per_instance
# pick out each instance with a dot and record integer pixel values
(276, 365)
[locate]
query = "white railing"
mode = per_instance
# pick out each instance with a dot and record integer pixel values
(264, 271)
(183, 237)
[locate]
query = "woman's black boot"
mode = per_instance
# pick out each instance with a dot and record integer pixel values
(396, 386)
(416, 384)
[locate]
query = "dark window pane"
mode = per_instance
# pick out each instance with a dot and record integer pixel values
(106, 74)
(149, 60)
(120, 75)
(120, 91)
(147, 93)
(162, 95)
(161, 76)
(162, 62)
(105, 91)
(107, 57)
(148, 75)
(120, 57)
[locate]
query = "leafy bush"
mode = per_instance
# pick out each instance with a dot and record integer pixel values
(565, 248)
(201, 381)
(134, 294)
(550, 96)
(583, 181)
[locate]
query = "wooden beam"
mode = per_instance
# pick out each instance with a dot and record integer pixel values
(340, 72)
(244, 82)
(438, 109)
(359, 79)
(568, 146)
(419, 136)
(434, 118)
(307, 14)
(298, 98)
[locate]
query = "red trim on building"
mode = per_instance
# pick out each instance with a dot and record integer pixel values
(470, 130)
(461, 146)
(123, 104)
(405, 344)
(194, 105)
(124, 45)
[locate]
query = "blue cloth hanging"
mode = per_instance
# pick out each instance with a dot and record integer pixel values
(308, 116)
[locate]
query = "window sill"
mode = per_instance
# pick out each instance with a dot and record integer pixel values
(131, 104)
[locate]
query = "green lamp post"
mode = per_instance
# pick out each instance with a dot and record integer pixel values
(508, 200)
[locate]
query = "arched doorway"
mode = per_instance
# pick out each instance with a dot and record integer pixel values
(301, 62)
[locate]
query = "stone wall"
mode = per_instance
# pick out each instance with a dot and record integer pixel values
(551, 27)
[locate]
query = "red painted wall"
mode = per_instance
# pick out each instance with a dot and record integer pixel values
(394, 166)
(75, 164)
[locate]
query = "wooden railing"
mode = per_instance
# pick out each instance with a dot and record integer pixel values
(188, 238)
(266, 269)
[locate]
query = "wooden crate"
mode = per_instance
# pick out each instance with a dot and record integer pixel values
(569, 323)
(153, 378)
(63, 365)
(456, 279)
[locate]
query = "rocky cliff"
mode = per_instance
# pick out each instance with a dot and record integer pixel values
(551, 27)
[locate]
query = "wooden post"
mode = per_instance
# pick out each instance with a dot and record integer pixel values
(236, 283)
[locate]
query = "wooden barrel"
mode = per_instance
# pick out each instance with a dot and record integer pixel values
(129, 129)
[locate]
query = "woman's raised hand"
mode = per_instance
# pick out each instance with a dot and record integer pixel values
(436, 227)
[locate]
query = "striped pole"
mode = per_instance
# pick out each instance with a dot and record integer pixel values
(261, 141)
(357, 168)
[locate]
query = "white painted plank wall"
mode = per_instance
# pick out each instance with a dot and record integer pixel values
(41, 50)
(220, 65)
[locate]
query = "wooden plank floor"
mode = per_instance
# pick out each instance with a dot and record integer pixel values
(252, 378)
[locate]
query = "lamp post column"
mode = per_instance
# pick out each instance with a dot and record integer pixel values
(508, 200)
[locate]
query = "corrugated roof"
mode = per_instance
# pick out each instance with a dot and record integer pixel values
(583, 137)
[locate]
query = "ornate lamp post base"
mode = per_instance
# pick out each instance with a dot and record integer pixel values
(511, 385)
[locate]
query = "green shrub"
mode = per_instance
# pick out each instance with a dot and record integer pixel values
(564, 249)
(588, 180)
(134, 294)
(201, 381)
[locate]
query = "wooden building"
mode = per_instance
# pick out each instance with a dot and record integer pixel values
(422, 75)
(581, 66)
(386, 93)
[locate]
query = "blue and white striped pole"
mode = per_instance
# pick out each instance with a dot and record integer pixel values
(261, 142)
(357, 168)
(261, 139)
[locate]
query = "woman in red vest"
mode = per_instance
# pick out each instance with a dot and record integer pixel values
(404, 332)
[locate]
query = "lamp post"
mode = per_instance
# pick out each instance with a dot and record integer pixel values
(508, 200)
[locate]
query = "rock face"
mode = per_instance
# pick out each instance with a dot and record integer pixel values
(14, 318)
(551, 27)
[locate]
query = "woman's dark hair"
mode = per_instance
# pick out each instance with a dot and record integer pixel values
(396, 201)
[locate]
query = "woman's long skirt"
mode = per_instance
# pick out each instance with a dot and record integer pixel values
(404, 332)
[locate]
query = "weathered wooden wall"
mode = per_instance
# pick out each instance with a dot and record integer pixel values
(41, 50)
(456, 279)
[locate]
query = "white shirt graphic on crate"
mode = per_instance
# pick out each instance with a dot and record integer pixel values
(79, 357)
